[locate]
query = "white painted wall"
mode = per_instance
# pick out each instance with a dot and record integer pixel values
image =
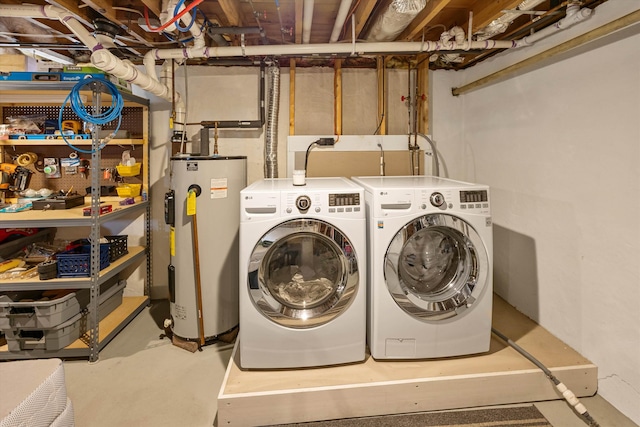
(560, 147)
(219, 93)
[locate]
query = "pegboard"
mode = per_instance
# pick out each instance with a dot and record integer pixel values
(110, 157)
(132, 117)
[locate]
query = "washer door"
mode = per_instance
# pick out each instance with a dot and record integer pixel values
(303, 273)
(436, 267)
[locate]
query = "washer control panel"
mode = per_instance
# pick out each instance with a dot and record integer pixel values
(323, 203)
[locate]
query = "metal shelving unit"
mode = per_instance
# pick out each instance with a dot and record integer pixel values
(99, 332)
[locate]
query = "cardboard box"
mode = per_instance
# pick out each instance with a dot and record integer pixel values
(9, 63)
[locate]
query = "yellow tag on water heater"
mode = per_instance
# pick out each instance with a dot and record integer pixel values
(191, 203)
(172, 241)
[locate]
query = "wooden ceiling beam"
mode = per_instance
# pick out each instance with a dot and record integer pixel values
(424, 18)
(231, 9)
(105, 8)
(362, 14)
(153, 6)
(485, 12)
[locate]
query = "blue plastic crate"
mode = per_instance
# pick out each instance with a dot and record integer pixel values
(77, 262)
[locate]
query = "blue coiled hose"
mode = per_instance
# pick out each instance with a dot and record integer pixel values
(101, 117)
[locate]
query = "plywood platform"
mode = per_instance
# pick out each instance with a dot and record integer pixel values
(388, 387)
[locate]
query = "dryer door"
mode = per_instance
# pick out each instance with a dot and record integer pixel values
(303, 273)
(436, 267)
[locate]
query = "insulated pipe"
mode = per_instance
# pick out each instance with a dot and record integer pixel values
(343, 11)
(307, 18)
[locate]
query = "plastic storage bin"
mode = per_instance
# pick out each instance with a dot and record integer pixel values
(118, 246)
(60, 336)
(128, 190)
(77, 262)
(30, 309)
(129, 170)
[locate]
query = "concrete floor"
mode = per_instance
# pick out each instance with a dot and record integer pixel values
(142, 380)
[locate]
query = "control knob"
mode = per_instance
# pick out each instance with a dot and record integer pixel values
(437, 199)
(303, 203)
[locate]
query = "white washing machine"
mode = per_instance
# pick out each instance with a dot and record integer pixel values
(430, 267)
(302, 273)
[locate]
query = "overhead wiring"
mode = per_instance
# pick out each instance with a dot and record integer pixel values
(95, 116)
(170, 21)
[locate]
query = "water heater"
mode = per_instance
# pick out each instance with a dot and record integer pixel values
(203, 210)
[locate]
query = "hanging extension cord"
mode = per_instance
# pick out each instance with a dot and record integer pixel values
(568, 395)
(96, 117)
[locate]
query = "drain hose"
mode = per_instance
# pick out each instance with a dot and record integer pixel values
(568, 395)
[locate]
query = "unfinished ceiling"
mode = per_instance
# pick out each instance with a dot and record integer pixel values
(135, 25)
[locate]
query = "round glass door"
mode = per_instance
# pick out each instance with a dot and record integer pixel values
(303, 273)
(436, 267)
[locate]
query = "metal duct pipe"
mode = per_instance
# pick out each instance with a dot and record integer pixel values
(271, 132)
(500, 25)
(395, 19)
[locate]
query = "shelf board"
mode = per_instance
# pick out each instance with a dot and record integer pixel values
(136, 253)
(68, 217)
(47, 89)
(108, 329)
(79, 142)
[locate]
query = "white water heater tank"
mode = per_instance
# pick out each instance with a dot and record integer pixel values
(216, 181)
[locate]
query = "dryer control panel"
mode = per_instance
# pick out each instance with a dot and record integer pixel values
(453, 199)
(348, 204)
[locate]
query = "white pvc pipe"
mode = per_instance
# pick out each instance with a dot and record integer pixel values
(101, 58)
(573, 17)
(326, 48)
(343, 11)
(307, 18)
(106, 61)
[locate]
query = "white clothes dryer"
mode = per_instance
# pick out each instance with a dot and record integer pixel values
(302, 273)
(430, 267)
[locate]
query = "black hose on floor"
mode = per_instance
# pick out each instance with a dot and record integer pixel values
(568, 395)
